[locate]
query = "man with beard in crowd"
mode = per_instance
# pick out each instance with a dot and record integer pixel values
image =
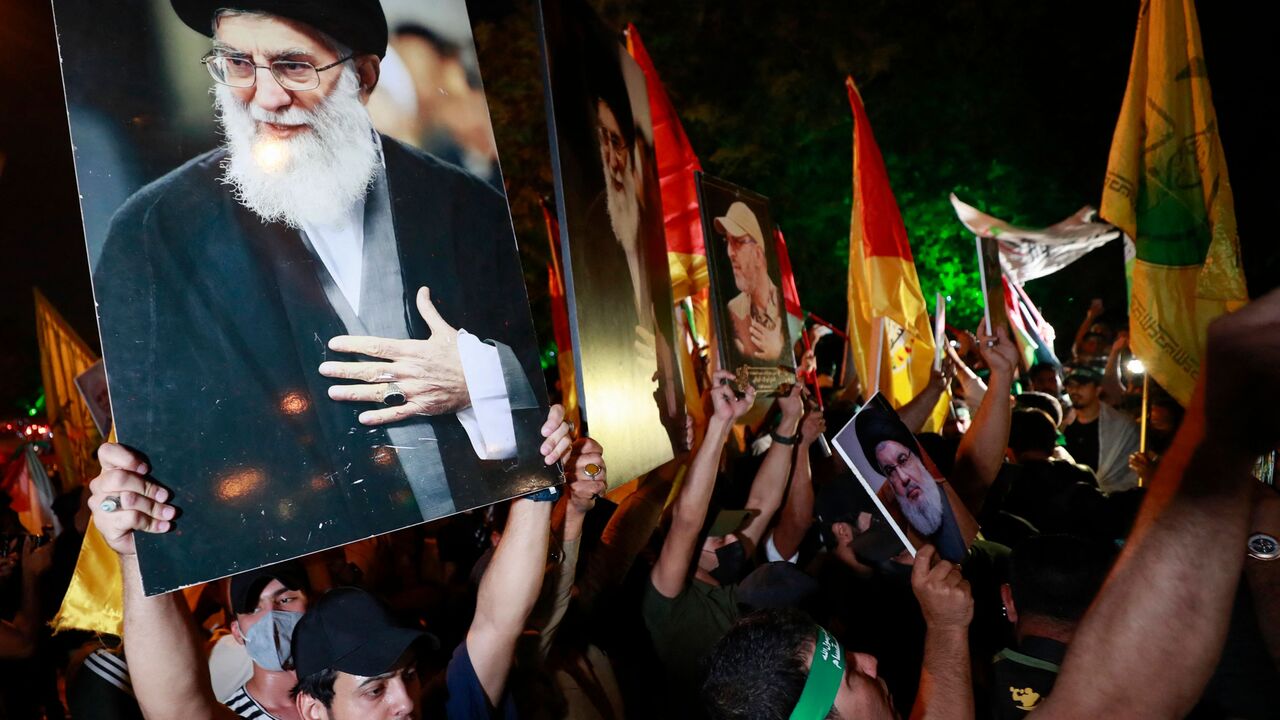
(756, 311)
(234, 288)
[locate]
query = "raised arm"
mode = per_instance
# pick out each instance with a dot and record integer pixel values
(1090, 317)
(917, 411)
(970, 384)
(511, 583)
(946, 688)
(585, 472)
(689, 511)
(982, 449)
(1112, 384)
(166, 659)
(771, 479)
(18, 639)
(1161, 619)
(797, 513)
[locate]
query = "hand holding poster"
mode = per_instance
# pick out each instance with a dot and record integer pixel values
(746, 297)
(903, 482)
(270, 342)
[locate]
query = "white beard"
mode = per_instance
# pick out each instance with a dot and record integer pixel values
(925, 514)
(624, 209)
(313, 177)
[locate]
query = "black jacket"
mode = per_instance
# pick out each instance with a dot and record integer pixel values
(213, 325)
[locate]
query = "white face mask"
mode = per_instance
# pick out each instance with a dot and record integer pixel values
(270, 641)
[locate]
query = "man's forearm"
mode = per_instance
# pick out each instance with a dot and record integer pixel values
(1161, 619)
(797, 513)
(769, 484)
(670, 573)
(982, 448)
(507, 593)
(166, 662)
(917, 411)
(946, 689)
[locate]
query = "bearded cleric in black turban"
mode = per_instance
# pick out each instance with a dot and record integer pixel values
(262, 305)
(358, 24)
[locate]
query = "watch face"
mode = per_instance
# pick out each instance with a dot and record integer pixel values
(1263, 547)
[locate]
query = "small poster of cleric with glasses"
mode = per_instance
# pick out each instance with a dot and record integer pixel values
(614, 244)
(903, 482)
(746, 286)
(310, 299)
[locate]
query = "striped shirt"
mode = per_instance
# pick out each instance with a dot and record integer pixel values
(109, 667)
(243, 704)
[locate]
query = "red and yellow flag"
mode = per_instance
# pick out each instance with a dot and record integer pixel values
(677, 162)
(889, 330)
(1167, 188)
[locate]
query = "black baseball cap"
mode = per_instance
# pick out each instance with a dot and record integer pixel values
(1083, 375)
(247, 586)
(842, 499)
(358, 24)
(348, 630)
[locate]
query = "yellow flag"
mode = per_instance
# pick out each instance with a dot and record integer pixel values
(1167, 187)
(94, 600)
(63, 356)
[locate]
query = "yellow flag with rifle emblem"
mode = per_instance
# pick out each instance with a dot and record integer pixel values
(1167, 188)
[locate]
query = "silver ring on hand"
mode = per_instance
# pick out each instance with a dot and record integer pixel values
(110, 504)
(393, 395)
(991, 343)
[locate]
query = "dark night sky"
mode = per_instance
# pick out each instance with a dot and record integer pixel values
(41, 235)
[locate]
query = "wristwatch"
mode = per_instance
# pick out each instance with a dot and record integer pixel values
(784, 439)
(1263, 547)
(547, 494)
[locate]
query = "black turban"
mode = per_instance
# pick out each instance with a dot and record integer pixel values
(358, 24)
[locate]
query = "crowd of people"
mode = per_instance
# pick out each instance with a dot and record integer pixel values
(751, 577)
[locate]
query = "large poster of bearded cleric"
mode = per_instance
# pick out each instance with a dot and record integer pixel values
(903, 482)
(309, 294)
(614, 244)
(746, 285)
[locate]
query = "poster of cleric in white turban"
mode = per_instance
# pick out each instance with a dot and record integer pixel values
(903, 482)
(746, 285)
(309, 293)
(614, 243)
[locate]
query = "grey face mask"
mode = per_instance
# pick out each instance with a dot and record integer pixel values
(270, 641)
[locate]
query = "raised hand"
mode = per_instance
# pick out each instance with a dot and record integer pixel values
(1096, 308)
(999, 353)
(428, 372)
(945, 599)
(792, 403)
(558, 434)
(586, 475)
(123, 500)
(36, 561)
(1241, 372)
(725, 403)
(814, 424)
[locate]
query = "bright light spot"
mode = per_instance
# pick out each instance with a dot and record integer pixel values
(1135, 366)
(271, 155)
(238, 483)
(294, 403)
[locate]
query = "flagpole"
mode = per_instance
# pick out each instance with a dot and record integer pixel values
(878, 332)
(1142, 437)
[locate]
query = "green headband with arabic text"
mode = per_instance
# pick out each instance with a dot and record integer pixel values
(826, 672)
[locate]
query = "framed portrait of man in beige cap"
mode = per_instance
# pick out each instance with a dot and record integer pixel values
(310, 299)
(746, 285)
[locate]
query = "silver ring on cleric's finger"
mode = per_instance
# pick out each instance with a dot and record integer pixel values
(110, 504)
(393, 396)
(593, 470)
(572, 428)
(992, 343)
